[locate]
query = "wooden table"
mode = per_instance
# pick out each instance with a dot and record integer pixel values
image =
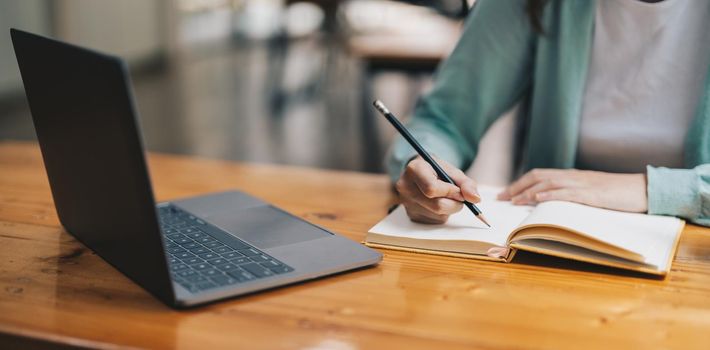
(53, 290)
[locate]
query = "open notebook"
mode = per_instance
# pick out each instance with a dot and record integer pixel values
(630, 241)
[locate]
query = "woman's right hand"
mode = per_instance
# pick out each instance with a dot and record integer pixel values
(429, 200)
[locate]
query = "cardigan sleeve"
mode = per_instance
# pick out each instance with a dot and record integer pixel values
(680, 192)
(488, 71)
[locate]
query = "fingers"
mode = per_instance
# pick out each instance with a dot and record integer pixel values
(467, 186)
(529, 195)
(525, 181)
(418, 213)
(530, 178)
(424, 176)
(439, 206)
(565, 194)
(428, 199)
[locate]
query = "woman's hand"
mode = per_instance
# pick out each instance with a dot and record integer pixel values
(625, 192)
(429, 200)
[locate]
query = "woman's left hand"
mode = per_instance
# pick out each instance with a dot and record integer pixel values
(625, 192)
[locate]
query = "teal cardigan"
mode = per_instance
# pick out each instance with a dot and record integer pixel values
(499, 61)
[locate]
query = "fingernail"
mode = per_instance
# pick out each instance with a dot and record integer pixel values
(540, 196)
(473, 192)
(476, 197)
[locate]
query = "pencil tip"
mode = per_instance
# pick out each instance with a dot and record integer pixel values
(483, 218)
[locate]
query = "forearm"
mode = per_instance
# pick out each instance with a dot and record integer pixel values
(488, 71)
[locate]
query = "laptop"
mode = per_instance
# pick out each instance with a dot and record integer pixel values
(185, 252)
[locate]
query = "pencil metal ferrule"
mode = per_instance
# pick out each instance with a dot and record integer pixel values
(381, 107)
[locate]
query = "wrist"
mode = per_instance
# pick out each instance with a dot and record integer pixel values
(643, 189)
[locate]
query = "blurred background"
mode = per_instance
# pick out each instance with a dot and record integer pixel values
(274, 81)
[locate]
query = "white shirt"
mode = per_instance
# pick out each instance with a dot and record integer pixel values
(648, 65)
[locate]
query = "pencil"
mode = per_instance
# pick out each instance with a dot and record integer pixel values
(424, 154)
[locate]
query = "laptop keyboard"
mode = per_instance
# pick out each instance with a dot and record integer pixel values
(198, 261)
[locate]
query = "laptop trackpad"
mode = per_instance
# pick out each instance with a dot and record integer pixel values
(266, 226)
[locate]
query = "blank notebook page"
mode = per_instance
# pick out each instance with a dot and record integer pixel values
(652, 236)
(503, 217)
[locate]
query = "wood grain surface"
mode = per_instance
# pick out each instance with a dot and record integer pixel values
(55, 291)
